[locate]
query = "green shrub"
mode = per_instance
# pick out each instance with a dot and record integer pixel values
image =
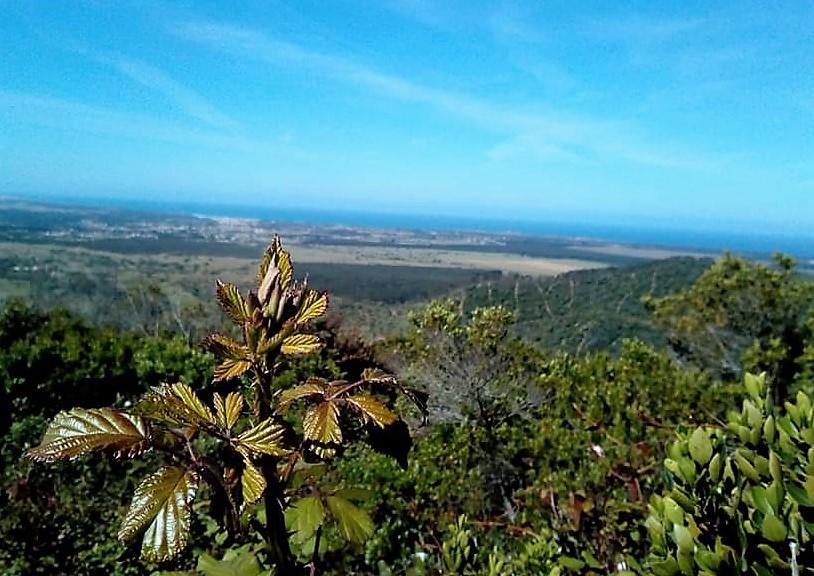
(742, 499)
(253, 440)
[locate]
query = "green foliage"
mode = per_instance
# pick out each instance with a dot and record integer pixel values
(240, 454)
(468, 364)
(532, 463)
(56, 519)
(563, 488)
(236, 562)
(743, 315)
(589, 310)
(595, 443)
(742, 497)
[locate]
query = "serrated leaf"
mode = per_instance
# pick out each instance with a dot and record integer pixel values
(161, 504)
(252, 482)
(79, 431)
(314, 304)
(262, 270)
(372, 410)
(356, 494)
(321, 423)
(265, 438)
(228, 411)
(231, 368)
(354, 523)
(304, 517)
(312, 387)
(284, 266)
(175, 404)
(192, 403)
(232, 302)
(244, 563)
(224, 347)
(301, 344)
(378, 376)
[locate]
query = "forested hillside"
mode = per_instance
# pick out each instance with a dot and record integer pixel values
(592, 309)
(536, 427)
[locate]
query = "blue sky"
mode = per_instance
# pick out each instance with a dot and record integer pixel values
(691, 113)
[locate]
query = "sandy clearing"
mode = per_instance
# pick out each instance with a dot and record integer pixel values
(407, 256)
(639, 252)
(360, 255)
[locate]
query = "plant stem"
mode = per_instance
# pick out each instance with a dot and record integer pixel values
(312, 565)
(276, 533)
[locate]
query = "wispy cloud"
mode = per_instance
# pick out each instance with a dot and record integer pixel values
(552, 135)
(430, 13)
(64, 114)
(186, 99)
(514, 21)
(182, 97)
(640, 30)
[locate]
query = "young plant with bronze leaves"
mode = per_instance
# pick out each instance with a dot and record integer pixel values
(274, 441)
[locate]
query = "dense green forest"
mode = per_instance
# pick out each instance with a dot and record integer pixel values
(588, 310)
(649, 420)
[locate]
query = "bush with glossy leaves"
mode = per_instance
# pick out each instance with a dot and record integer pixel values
(742, 496)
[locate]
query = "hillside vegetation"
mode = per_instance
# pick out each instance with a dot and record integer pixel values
(496, 435)
(589, 310)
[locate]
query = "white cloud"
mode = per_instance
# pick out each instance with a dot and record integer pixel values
(182, 97)
(553, 135)
(189, 101)
(78, 117)
(640, 30)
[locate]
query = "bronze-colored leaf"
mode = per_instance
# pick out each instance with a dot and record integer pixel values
(228, 411)
(175, 404)
(313, 305)
(285, 267)
(193, 405)
(231, 368)
(301, 344)
(265, 438)
(263, 268)
(378, 376)
(312, 387)
(252, 482)
(79, 431)
(321, 423)
(161, 504)
(268, 342)
(232, 302)
(224, 347)
(372, 410)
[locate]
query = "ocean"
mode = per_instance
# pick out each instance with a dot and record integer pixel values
(668, 235)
